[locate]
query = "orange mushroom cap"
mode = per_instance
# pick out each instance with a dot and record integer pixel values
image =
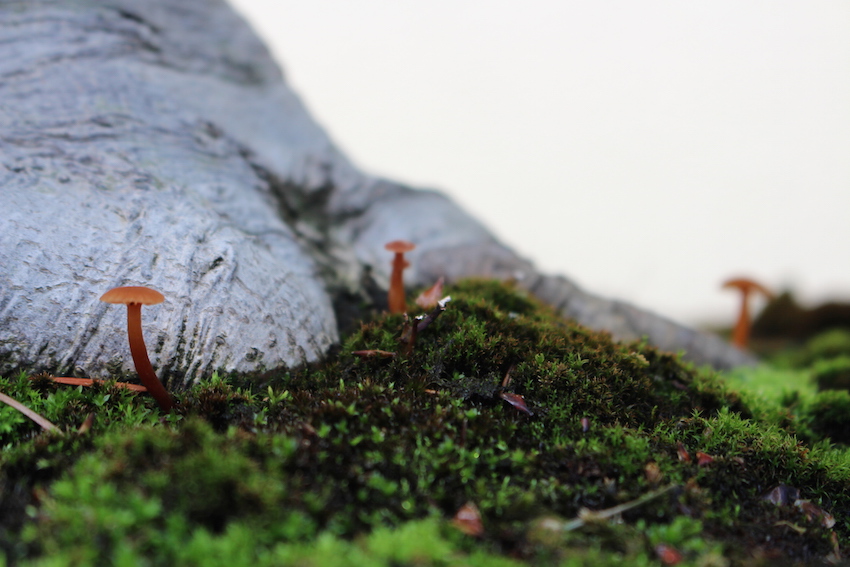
(747, 285)
(133, 294)
(399, 246)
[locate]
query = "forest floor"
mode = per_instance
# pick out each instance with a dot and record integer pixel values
(499, 434)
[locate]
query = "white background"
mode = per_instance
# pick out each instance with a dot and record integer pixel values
(647, 150)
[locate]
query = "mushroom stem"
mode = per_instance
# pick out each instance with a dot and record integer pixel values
(395, 297)
(141, 360)
(741, 333)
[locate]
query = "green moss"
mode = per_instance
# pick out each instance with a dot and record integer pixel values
(827, 345)
(832, 373)
(827, 416)
(365, 460)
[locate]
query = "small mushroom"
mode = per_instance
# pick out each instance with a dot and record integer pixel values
(134, 297)
(741, 333)
(395, 297)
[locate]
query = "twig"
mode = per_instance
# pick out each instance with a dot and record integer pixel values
(506, 381)
(411, 339)
(586, 516)
(86, 425)
(43, 422)
(425, 321)
(90, 382)
(373, 353)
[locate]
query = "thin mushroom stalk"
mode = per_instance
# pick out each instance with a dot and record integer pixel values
(395, 297)
(144, 368)
(741, 333)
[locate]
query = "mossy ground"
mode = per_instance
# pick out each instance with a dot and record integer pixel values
(365, 461)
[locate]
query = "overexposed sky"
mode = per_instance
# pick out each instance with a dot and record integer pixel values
(647, 150)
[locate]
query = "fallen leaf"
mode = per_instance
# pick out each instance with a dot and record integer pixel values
(813, 512)
(683, 454)
(703, 458)
(517, 401)
(468, 520)
(782, 495)
(834, 557)
(653, 473)
(668, 555)
(431, 296)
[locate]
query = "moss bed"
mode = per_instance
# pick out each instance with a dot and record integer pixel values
(504, 436)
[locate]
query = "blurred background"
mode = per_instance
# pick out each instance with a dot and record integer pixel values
(648, 151)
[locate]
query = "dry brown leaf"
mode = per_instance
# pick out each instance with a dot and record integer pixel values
(431, 296)
(517, 401)
(668, 555)
(653, 473)
(468, 520)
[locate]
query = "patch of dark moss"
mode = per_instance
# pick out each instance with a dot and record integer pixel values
(219, 403)
(825, 346)
(363, 443)
(832, 373)
(828, 416)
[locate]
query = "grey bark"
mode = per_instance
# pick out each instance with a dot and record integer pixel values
(156, 143)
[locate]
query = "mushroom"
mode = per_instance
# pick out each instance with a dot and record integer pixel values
(741, 333)
(134, 297)
(395, 297)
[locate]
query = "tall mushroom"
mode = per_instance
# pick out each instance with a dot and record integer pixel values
(395, 297)
(134, 297)
(741, 333)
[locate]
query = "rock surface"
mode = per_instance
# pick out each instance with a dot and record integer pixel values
(157, 143)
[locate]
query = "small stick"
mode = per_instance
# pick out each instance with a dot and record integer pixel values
(426, 320)
(586, 516)
(506, 381)
(90, 382)
(86, 425)
(432, 316)
(43, 422)
(373, 353)
(414, 330)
